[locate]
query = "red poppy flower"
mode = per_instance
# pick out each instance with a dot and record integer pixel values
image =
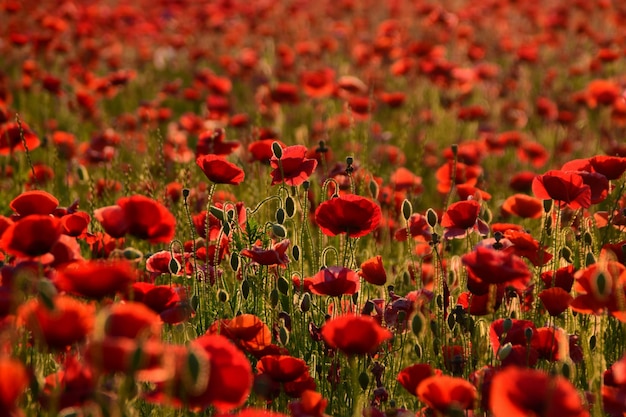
(67, 323)
(600, 287)
(310, 404)
(612, 167)
(13, 383)
(96, 279)
(355, 335)
(443, 393)
(218, 170)
(481, 305)
(169, 302)
(319, 83)
(254, 412)
(334, 281)
(523, 244)
(462, 216)
(556, 300)
(245, 330)
(404, 180)
(270, 257)
(489, 266)
(261, 150)
(213, 142)
(373, 271)
(517, 392)
(11, 138)
(32, 236)
(567, 188)
(601, 92)
(523, 206)
(75, 224)
(139, 216)
(418, 226)
(34, 202)
(614, 389)
(292, 167)
(126, 355)
(282, 368)
(411, 376)
(357, 216)
(72, 385)
(131, 320)
(562, 278)
(522, 181)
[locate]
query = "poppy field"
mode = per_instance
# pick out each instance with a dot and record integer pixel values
(309, 209)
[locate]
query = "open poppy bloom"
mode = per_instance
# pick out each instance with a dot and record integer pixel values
(601, 287)
(13, 383)
(334, 281)
(220, 171)
(487, 266)
(352, 214)
(523, 206)
(444, 393)
(131, 320)
(564, 187)
(614, 389)
(318, 84)
(373, 271)
(96, 279)
(32, 236)
(247, 331)
(293, 167)
(34, 202)
(411, 376)
(462, 216)
(69, 322)
(139, 216)
(212, 142)
(522, 392)
(11, 138)
(275, 256)
(355, 335)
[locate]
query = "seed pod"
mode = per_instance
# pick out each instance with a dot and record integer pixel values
(417, 324)
(290, 206)
(305, 303)
(431, 217)
(283, 285)
(295, 251)
(222, 296)
(407, 209)
(173, 266)
(234, 261)
(274, 297)
(364, 380)
(277, 150)
(280, 216)
(279, 230)
(373, 186)
(245, 289)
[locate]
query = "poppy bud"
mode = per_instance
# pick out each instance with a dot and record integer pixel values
(290, 206)
(566, 253)
(305, 303)
(566, 370)
(507, 324)
(407, 209)
(279, 231)
(367, 308)
(295, 251)
(587, 238)
(364, 380)
(82, 173)
(528, 334)
(222, 296)
(547, 205)
(590, 259)
(283, 285)
(245, 289)
(195, 302)
(280, 216)
(277, 150)
(349, 161)
(132, 254)
(306, 185)
(47, 291)
(173, 266)
(418, 350)
(592, 342)
(234, 261)
(186, 192)
(431, 217)
(455, 149)
(451, 322)
(274, 297)
(283, 335)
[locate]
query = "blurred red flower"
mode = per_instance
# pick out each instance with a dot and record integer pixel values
(220, 171)
(68, 322)
(373, 271)
(139, 216)
(270, 257)
(486, 266)
(352, 214)
(11, 138)
(334, 281)
(96, 279)
(411, 376)
(13, 384)
(444, 393)
(523, 206)
(462, 216)
(517, 392)
(247, 331)
(132, 320)
(32, 236)
(212, 142)
(355, 335)
(292, 167)
(34, 202)
(565, 187)
(318, 84)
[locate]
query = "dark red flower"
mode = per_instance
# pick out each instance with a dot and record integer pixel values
(614, 389)
(292, 167)
(373, 271)
(352, 214)
(462, 216)
(34, 202)
(517, 392)
(487, 266)
(612, 167)
(68, 322)
(139, 216)
(96, 279)
(282, 368)
(270, 257)
(354, 335)
(566, 188)
(562, 278)
(11, 138)
(334, 281)
(556, 300)
(75, 224)
(211, 142)
(72, 385)
(32, 236)
(443, 393)
(411, 376)
(261, 150)
(220, 171)
(13, 384)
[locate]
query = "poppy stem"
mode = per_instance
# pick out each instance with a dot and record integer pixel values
(355, 387)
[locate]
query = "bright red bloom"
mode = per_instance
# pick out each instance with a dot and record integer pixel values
(69, 322)
(462, 216)
(612, 167)
(334, 281)
(464, 174)
(373, 271)
(567, 188)
(487, 266)
(600, 287)
(319, 83)
(132, 320)
(292, 167)
(245, 330)
(139, 216)
(517, 392)
(357, 216)
(443, 393)
(523, 206)
(32, 236)
(13, 383)
(34, 202)
(125, 355)
(261, 150)
(355, 335)
(411, 376)
(75, 224)
(275, 256)
(11, 138)
(282, 368)
(523, 244)
(220, 171)
(96, 279)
